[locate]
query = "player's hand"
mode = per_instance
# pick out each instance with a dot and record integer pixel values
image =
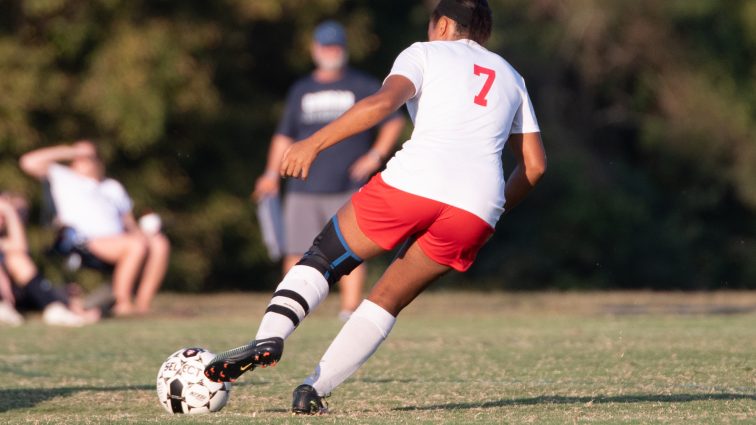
(298, 158)
(266, 185)
(365, 166)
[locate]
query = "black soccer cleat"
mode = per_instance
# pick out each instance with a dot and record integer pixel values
(307, 401)
(229, 365)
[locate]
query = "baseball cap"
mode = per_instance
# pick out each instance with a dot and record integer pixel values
(329, 33)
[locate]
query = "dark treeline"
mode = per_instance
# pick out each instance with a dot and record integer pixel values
(647, 110)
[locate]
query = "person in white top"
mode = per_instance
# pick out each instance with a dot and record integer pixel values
(98, 209)
(441, 195)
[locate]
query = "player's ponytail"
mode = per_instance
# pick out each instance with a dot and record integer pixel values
(481, 22)
(473, 17)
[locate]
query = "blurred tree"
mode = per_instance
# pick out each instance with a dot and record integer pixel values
(647, 110)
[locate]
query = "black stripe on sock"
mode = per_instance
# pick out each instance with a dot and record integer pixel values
(288, 293)
(275, 308)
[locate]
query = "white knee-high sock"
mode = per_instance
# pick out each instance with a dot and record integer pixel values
(300, 292)
(361, 335)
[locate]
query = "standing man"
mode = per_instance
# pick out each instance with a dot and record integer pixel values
(98, 209)
(314, 101)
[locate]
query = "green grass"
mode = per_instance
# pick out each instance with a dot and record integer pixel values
(463, 358)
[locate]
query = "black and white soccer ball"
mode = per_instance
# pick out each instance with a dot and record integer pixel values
(182, 386)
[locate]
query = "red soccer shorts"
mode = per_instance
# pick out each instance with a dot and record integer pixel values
(448, 235)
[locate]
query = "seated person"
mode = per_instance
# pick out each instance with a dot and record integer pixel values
(21, 284)
(98, 209)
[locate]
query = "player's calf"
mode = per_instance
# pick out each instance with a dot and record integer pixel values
(307, 284)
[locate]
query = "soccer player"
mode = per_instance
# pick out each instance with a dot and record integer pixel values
(441, 194)
(314, 101)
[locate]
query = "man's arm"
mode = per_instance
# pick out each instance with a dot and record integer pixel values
(388, 135)
(268, 183)
(129, 222)
(531, 165)
(37, 162)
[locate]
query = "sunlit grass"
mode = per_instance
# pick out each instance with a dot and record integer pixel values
(452, 358)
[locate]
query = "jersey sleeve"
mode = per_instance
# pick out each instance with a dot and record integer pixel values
(525, 120)
(411, 65)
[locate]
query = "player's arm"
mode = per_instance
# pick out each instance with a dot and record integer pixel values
(396, 90)
(268, 183)
(388, 135)
(531, 165)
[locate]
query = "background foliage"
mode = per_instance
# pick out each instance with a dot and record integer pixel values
(647, 111)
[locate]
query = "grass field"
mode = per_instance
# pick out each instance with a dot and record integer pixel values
(633, 358)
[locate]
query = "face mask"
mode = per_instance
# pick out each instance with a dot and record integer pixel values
(330, 62)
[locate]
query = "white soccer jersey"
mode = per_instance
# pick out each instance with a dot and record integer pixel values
(92, 208)
(467, 102)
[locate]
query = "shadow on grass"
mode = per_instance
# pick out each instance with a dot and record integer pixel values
(23, 398)
(633, 398)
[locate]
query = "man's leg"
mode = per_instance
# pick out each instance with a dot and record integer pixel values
(153, 272)
(127, 252)
(350, 290)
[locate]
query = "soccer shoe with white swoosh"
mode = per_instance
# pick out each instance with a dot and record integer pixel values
(229, 365)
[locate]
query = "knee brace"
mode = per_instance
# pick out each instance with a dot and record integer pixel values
(330, 254)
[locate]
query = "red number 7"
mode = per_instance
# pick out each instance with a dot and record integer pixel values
(490, 74)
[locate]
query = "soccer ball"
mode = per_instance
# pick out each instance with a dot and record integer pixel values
(182, 386)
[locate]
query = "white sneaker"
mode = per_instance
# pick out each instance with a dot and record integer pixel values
(57, 314)
(9, 315)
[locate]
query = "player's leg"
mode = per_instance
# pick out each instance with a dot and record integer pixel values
(155, 266)
(352, 285)
(452, 240)
(302, 289)
(298, 285)
(289, 261)
(368, 326)
(127, 253)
